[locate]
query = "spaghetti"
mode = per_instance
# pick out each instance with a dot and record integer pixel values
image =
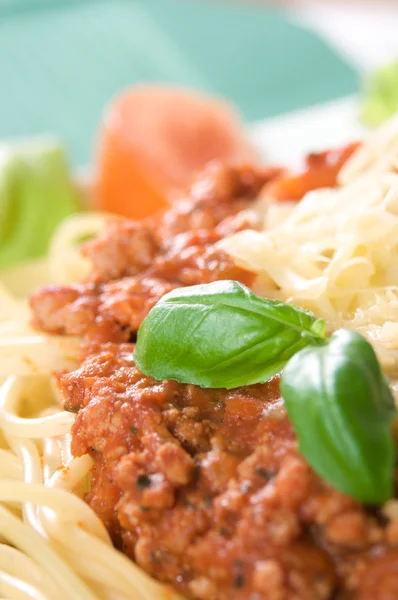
(52, 544)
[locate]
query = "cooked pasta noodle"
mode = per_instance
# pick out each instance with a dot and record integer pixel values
(66, 264)
(61, 548)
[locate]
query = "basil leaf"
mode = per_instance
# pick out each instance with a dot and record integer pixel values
(222, 335)
(342, 410)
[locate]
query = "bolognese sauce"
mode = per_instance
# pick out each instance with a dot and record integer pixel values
(204, 489)
(136, 263)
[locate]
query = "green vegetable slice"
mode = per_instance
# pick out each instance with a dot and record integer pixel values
(36, 194)
(380, 99)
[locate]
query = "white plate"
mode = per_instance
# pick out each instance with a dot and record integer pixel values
(287, 139)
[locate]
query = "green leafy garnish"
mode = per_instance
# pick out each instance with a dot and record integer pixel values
(36, 194)
(339, 402)
(342, 409)
(381, 95)
(222, 335)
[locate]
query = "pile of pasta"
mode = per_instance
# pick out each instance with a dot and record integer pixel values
(336, 251)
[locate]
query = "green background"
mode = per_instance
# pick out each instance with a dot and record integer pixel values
(61, 60)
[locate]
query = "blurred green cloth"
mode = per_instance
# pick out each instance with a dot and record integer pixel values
(61, 60)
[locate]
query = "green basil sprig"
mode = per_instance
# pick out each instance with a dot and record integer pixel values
(222, 335)
(342, 409)
(340, 404)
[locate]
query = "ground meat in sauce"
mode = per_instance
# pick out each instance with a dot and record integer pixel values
(205, 489)
(134, 264)
(101, 312)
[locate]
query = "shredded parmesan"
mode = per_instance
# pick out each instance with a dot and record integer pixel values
(336, 251)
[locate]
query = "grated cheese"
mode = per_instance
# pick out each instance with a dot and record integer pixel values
(336, 251)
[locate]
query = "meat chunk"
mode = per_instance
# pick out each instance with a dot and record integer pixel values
(49, 304)
(205, 489)
(128, 301)
(219, 192)
(124, 248)
(380, 581)
(100, 313)
(193, 259)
